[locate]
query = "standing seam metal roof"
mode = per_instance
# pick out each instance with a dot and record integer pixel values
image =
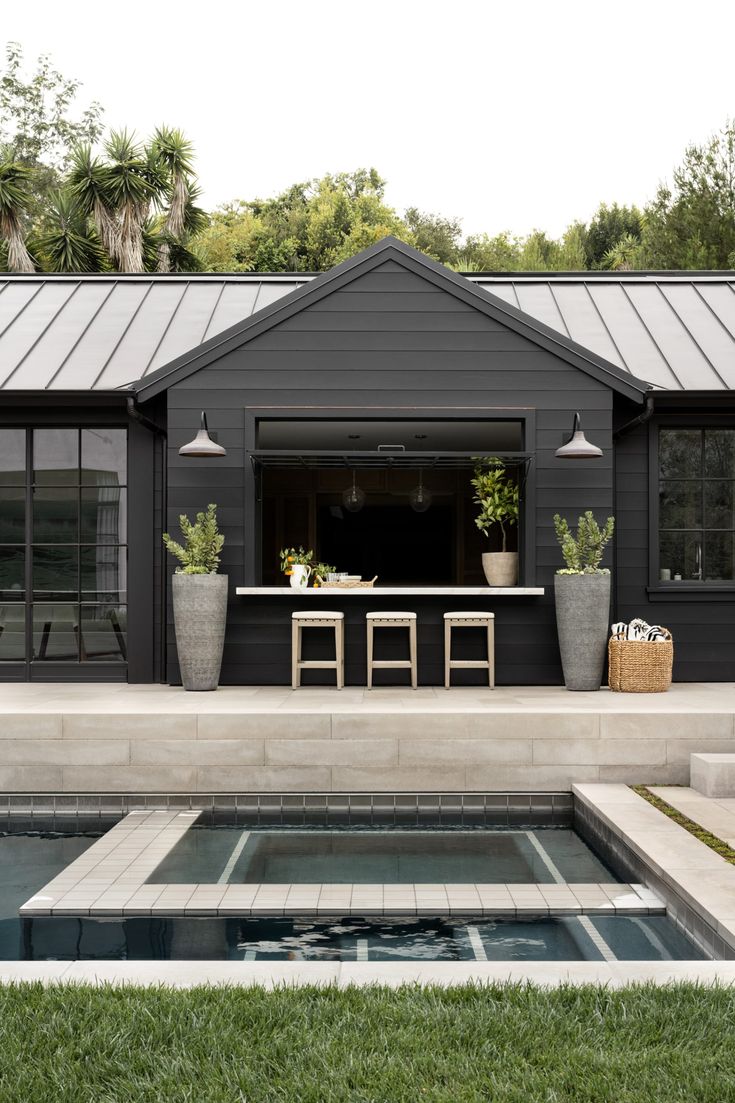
(677, 331)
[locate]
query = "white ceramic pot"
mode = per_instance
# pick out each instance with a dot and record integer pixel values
(300, 575)
(501, 568)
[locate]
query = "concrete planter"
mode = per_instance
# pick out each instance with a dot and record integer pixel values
(582, 618)
(200, 615)
(501, 568)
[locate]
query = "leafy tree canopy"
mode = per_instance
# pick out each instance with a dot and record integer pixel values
(71, 201)
(692, 223)
(38, 126)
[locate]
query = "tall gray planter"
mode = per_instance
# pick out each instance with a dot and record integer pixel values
(582, 617)
(200, 614)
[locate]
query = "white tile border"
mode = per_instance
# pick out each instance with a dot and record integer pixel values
(111, 879)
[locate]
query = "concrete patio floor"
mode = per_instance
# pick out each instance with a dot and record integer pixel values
(116, 697)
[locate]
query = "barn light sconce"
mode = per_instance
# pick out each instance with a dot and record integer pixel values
(202, 445)
(578, 447)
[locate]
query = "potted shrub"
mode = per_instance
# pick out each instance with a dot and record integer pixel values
(200, 600)
(498, 499)
(582, 594)
(300, 567)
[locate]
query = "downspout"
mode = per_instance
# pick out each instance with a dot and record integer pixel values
(136, 415)
(640, 419)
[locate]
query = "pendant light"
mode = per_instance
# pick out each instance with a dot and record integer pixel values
(353, 499)
(202, 445)
(578, 447)
(420, 498)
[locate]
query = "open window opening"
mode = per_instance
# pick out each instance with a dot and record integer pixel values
(386, 498)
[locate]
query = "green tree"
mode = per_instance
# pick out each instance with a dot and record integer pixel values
(138, 200)
(606, 228)
(14, 199)
(309, 227)
(438, 237)
(692, 223)
(67, 243)
(481, 253)
(37, 125)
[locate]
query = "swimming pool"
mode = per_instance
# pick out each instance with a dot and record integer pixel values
(233, 855)
(28, 860)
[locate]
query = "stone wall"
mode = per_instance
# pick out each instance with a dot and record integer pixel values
(368, 750)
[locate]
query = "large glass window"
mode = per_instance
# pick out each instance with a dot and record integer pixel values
(63, 567)
(696, 505)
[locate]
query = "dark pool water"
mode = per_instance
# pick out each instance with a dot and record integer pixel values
(206, 855)
(28, 861)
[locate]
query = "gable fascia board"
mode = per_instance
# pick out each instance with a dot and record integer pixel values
(348, 271)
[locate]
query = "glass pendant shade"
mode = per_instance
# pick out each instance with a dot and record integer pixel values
(353, 499)
(202, 445)
(420, 498)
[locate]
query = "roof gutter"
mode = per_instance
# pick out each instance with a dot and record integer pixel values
(136, 415)
(641, 418)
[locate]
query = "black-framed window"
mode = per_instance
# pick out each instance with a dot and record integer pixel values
(63, 545)
(696, 504)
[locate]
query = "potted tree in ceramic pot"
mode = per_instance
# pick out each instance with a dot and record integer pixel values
(200, 600)
(582, 595)
(498, 498)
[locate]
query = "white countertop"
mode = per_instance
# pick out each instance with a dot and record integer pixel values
(389, 591)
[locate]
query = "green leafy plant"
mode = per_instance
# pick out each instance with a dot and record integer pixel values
(291, 556)
(199, 553)
(323, 569)
(497, 496)
(583, 552)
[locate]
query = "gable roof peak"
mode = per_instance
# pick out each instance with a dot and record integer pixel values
(414, 261)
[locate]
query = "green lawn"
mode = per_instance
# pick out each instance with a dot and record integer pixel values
(519, 1044)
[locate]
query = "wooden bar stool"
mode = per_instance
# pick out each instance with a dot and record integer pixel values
(392, 620)
(322, 619)
(469, 620)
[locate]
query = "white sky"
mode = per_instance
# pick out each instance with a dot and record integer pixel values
(506, 113)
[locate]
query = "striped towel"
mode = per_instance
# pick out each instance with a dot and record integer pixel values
(639, 630)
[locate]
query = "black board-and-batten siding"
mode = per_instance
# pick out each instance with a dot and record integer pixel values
(390, 343)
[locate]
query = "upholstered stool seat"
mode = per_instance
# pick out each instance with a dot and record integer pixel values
(394, 619)
(469, 620)
(320, 618)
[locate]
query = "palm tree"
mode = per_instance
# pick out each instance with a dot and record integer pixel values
(67, 243)
(624, 255)
(89, 185)
(135, 180)
(174, 153)
(14, 198)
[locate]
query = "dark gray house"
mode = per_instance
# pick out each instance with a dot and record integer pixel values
(386, 371)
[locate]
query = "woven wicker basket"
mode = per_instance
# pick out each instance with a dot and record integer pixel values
(343, 585)
(637, 666)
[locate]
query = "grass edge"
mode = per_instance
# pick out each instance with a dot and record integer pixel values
(712, 841)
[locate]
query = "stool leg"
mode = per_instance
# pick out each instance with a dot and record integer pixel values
(370, 654)
(295, 654)
(412, 651)
(447, 653)
(491, 654)
(339, 650)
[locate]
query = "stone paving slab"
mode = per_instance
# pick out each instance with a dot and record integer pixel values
(110, 879)
(697, 876)
(272, 974)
